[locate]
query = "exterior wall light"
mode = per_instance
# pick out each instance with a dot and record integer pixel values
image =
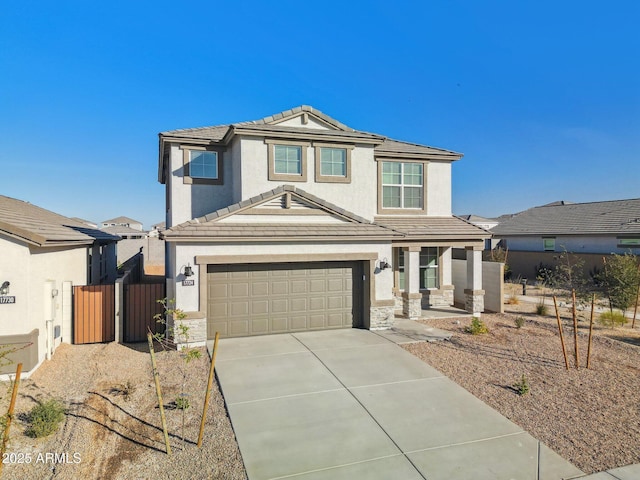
(4, 289)
(384, 264)
(188, 271)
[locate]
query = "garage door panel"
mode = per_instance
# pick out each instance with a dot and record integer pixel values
(299, 323)
(317, 304)
(279, 288)
(239, 309)
(218, 291)
(335, 320)
(335, 303)
(279, 325)
(297, 305)
(298, 286)
(259, 326)
(260, 307)
(259, 289)
(239, 290)
(279, 306)
(260, 299)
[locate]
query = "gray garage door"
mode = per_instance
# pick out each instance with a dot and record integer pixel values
(258, 299)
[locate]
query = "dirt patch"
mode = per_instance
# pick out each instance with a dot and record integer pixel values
(113, 428)
(590, 417)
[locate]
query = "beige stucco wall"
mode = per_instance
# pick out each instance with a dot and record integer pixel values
(187, 297)
(34, 273)
(438, 188)
(492, 284)
(358, 197)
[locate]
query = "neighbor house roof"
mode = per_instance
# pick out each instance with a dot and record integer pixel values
(123, 230)
(34, 225)
(209, 226)
(122, 220)
(270, 126)
(615, 217)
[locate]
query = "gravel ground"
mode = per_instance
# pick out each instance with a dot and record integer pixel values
(590, 417)
(113, 428)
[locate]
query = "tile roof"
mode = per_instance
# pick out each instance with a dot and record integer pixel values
(209, 226)
(122, 220)
(616, 217)
(37, 226)
(436, 228)
(386, 146)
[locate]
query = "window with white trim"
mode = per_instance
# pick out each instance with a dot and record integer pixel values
(402, 185)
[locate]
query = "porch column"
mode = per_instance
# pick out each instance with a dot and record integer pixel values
(474, 294)
(446, 279)
(411, 297)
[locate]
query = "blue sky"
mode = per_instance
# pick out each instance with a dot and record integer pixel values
(543, 98)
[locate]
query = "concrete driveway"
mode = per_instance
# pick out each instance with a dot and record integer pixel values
(351, 404)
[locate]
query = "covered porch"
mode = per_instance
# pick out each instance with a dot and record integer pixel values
(422, 265)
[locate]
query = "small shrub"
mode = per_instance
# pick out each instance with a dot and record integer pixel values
(477, 327)
(513, 300)
(182, 403)
(45, 418)
(612, 319)
(519, 321)
(522, 387)
(541, 309)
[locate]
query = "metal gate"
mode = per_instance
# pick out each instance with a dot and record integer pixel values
(93, 314)
(140, 306)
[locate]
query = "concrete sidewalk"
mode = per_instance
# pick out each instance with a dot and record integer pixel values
(351, 404)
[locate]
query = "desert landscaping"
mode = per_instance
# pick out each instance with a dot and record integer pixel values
(113, 430)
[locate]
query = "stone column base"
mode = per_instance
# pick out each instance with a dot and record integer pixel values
(442, 297)
(381, 317)
(412, 305)
(474, 301)
(197, 333)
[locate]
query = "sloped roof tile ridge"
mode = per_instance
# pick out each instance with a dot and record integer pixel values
(194, 129)
(294, 111)
(381, 147)
(472, 224)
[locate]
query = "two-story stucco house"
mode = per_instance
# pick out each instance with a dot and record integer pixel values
(297, 222)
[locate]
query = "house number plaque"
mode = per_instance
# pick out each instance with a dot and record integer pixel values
(188, 283)
(7, 300)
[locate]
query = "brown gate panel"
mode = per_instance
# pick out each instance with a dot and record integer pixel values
(94, 314)
(140, 306)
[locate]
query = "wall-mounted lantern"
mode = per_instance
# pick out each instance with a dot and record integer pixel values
(188, 271)
(384, 264)
(4, 289)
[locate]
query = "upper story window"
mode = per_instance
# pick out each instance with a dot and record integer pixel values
(202, 165)
(287, 160)
(333, 163)
(402, 186)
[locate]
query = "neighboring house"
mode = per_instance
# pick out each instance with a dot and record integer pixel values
(122, 222)
(590, 229)
(43, 255)
(157, 229)
(297, 222)
(482, 222)
(125, 232)
(86, 222)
